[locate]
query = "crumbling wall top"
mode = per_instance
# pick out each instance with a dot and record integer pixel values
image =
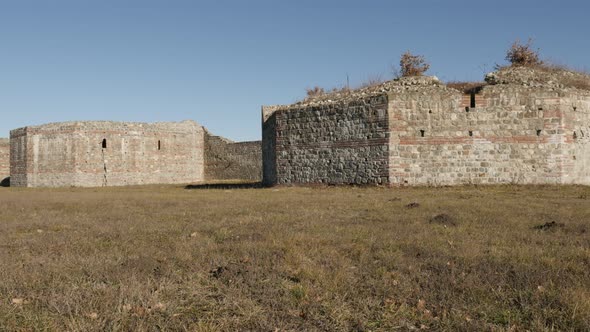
(541, 76)
(414, 83)
(108, 125)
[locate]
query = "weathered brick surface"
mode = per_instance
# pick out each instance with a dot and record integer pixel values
(423, 133)
(72, 154)
(513, 135)
(4, 158)
(228, 160)
(576, 108)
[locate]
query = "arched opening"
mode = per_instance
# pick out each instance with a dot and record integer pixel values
(104, 143)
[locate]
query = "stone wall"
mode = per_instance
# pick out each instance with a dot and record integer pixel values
(4, 160)
(335, 143)
(513, 134)
(417, 131)
(576, 108)
(91, 154)
(228, 160)
(269, 145)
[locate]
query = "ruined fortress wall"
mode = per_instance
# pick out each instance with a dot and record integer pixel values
(228, 160)
(4, 158)
(72, 154)
(576, 108)
(39, 157)
(514, 134)
(335, 143)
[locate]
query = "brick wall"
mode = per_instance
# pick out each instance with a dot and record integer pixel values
(334, 143)
(4, 158)
(228, 160)
(576, 107)
(72, 154)
(513, 134)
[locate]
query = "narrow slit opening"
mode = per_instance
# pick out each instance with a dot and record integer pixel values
(104, 143)
(159, 145)
(422, 132)
(472, 104)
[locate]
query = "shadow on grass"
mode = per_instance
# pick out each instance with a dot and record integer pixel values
(241, 185)
(5, 182)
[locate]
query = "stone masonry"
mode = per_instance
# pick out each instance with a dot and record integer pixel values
(4, 160)
(93, 154)
(417, 131)
(228, 160)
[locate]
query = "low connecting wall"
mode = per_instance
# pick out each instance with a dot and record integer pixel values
(4, 161)
(228, 160)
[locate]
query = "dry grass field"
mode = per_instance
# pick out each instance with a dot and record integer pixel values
(165, 258)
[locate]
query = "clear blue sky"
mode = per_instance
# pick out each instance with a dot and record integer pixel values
(217, 62)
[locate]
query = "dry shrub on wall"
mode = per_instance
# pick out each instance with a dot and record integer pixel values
(523, 54)
(413, 65)
(315, 92)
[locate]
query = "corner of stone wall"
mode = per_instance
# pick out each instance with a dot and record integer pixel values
(269, 160)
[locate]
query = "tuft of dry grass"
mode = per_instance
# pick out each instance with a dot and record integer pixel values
(315, 92)
(326, 258)
(579, 79)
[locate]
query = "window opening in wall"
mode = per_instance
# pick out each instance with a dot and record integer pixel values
(540, 108)
(104, 143)
(470, 133)
(159, 145)
(467, 109)
(538, 132)
(429, 111)
(422, 132)
(472, 99)
(575, 135)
